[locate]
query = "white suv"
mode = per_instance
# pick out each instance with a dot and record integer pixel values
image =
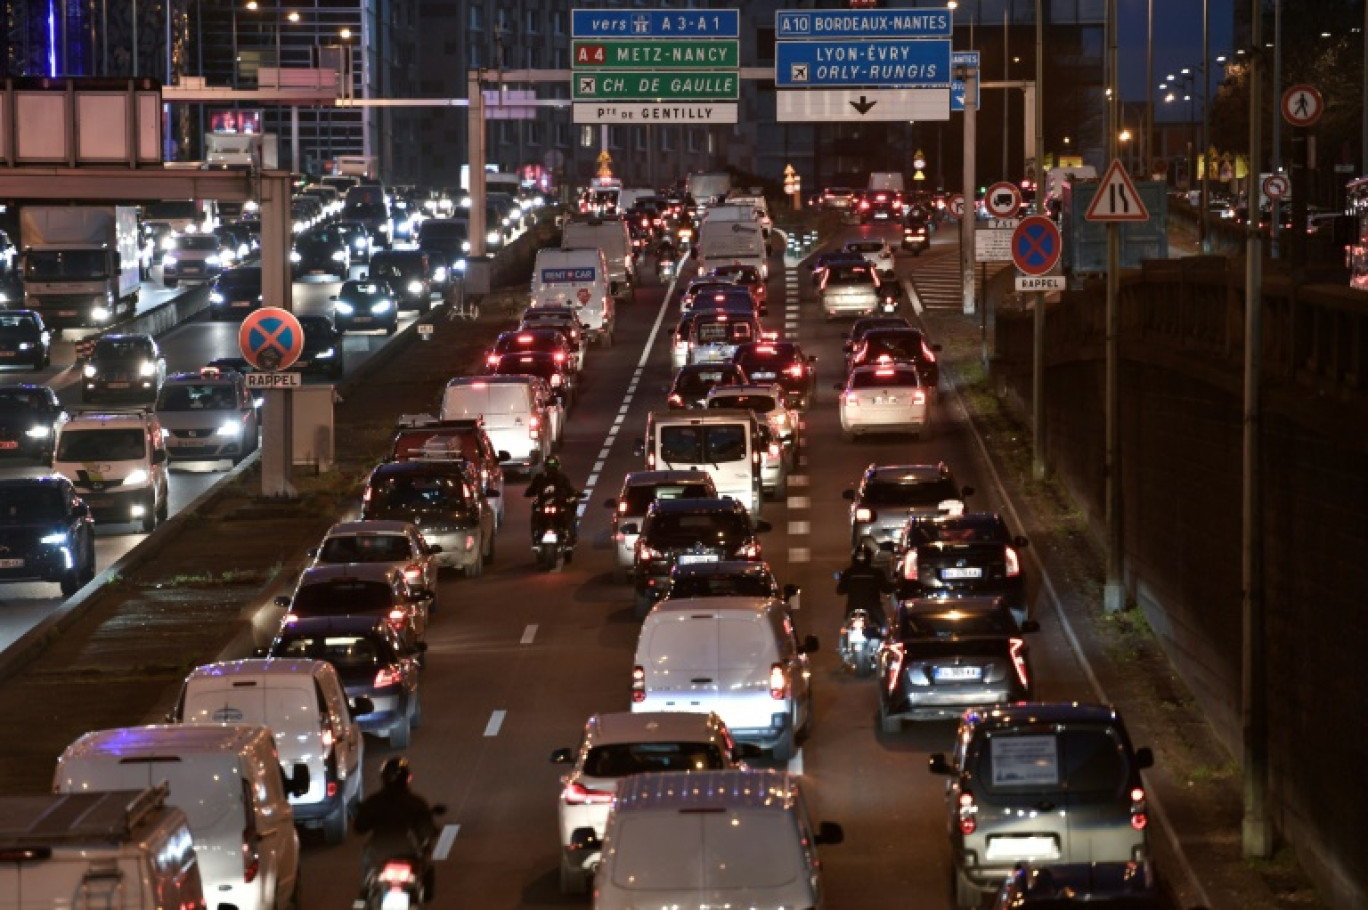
(117, 462)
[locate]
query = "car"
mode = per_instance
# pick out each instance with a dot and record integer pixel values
(410, 273)
(542, 341)
(769, 402)
(379, 668)
(377, 589)
(885, 398)
(365, 305)
(1009, 761)
(714, 335)
(236, 291)
(1060, 886)
(321, 250)
(208, 415)
(825, 261)
(371, 211)
(749, 277)
(860, 327)
(876, 252)
(444, 500)
(686, 531)
(879, 205)
(47, 533)
(24, 340)
(554, 371)
(916, 233)
(358, 240)
(446, 241)
(729, 578)
(235, 244)
(961, 554)
(130, 449)
(839, 198)
(565, 320)
(413, 441)
(639, 490)
(701, 287)
(30, 418)
(849, 289)
(732, 298)
(940, 658)
(123, 367)
(396, 544)
(322, 353)
(897, 345)
(888, 496)
(782, 363)
(693, 382)
(620, 744)
(193, 257)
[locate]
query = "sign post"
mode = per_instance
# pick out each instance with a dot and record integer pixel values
(271, 340)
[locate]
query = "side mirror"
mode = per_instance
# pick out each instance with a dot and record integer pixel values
(1029, 626)
(829, 833)
(1144, 758)
(610, 503)
(261, 652)
(298, 782)
(939, 765)
(312, 552)
(361, 705)
(283, 601)
(1020, 542)
(630, 527)
(503, 456)
(584, 839)
(763, 526)
(808, 645)
(562, 756)
(848, 495)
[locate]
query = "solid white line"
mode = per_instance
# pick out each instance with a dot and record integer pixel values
(495, 722)
(528, 634)
(912, 296)
(444, 842)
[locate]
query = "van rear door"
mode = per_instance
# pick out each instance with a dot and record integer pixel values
(723, 449)
(682, 671)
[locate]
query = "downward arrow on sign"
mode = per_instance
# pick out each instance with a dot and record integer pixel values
(863, 106)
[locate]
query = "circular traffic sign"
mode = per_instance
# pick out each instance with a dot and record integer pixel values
(1302, 105)
(956, 205)
(271, 339)
(1003, 200)
(1036, 245)
(1276, 186)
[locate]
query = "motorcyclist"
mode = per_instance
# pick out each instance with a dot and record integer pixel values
(552, 486)
(865, 586)
(399, 821)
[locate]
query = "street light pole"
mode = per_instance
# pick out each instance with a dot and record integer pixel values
(1149, 92)
(1206, 120)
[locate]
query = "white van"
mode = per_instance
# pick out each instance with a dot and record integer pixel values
(305, 705)
(887, 180)
(577, 278)
(118, 464)
(735, 656)
(754, 201)
(710, 839)
(612, 236)
(120, 850)
(731, 243)
(723, 443)
(227, 780)
(514, 415)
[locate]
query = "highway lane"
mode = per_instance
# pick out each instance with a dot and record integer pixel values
(518, 659)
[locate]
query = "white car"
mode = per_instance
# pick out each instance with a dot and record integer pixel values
(885, 398)
(876, 251)
(616, 745)
(770, 403)
(393, 543)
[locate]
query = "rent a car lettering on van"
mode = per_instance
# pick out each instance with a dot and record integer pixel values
(568, 276)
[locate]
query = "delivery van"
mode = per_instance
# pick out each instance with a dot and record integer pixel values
(577, 278)
(732, 243)
(116, 850)
(612, 236)
(227, 780)
(515, 416)
(723, 443)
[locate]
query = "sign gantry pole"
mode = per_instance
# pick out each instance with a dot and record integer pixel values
(970, 76)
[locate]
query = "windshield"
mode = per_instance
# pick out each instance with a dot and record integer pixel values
(365, 548)
(23, 400)
(703, 444)
(636, 500)
(1082, 761)
(198, 242)
(674, 529)
(883, 378)
(345, 652)
(101, 445)
(125, 349)
(417, 491)
(846, 275)
(898, 346)
(241, 280)
(21, 505)
(912, 493)
(443, 231)
(342, 596)
(27, 324)
(197, 397)
(761, 403)
(49, 265)
(621, 759)
(365, 210)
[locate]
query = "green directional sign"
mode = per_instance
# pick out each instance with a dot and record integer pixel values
(635, 54)
(648, 86)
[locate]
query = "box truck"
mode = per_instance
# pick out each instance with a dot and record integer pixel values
(258, 151)
(80, 262)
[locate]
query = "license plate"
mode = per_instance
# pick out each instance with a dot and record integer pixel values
(11, 563)
(855, 636)
(190, 443)
(6, 353)
(961, 573)
(686, 559)
(763, 375)
(957, 674)
(67, 313)
(242, 303)
(885, 401)
(361, 319)
(9, 444)
(1037, 847)
(548, 537)
(117, 385)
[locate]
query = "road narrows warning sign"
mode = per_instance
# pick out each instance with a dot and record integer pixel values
(1117, 199)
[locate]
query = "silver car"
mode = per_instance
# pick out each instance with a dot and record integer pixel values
(639, 490)
(208, 416)
(849, 289)
(393, 543)
(888, 495)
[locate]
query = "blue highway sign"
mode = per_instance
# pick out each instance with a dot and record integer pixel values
(888, 64)
(902, 23)
(655, 23)
(964, 58)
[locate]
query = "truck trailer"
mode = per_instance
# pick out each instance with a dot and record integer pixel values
(80, 263)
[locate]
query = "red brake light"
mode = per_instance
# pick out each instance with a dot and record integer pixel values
(251, 858)
(413, 573)
(385, 677)
(397, 873)
(576, 794)
(927, 354)
(1018, 649)
(778, 682)
(646, 553)
(886, 372)
(524, 339)
(910, 568)
(764, 349)
(1013, 562)
(555, 380)
(795, 370)
(749, 551)
(919, 397)
(559, 357)
(397, 617)
(1139, 818)
(622, 508)
(968, 814)
(638, 684)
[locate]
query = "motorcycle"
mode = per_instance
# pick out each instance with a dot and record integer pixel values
(859, 642)
(551, 534)
(400, 882)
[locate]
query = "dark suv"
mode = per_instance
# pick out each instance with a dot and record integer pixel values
(444, 500)
(686, 532)
(952, 556)
(235, 292)
(47, 533)
(409, 275)
(890, 495)
(30, 416)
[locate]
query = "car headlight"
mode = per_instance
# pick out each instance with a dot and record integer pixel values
(415, 287)
(459, 265)
(359, 243)
(169, 259)
(215, 297)
(100, 314)
(135, 477)
(493, 237)
(191, 228)
(168, 242)
(385, 228)
(346, 309)
(295, 257)
(439, 273)
(89, 371)
(232, 428)
(381, 306)
(299, 226)
(25, 345)
(339, 256)
(326, 354)
(58, 539)
(213, 260)
(465, 246)
(38, 432)
(147, 368)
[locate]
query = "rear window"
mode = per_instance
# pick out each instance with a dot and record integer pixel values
(696, 383)
(914, 493)
(490, 398)
(703, 444)
(882, 378)
(957, 531)
(126, 349)
(346, 652)
(417, 491)
(621, 759)
(712, 331)
(21, 504)
(1081, 761)
(747, 584)
(724, 529)
(365, 548)
(639, 498)
(341, 597)
(727, 850)
(946, 625)
(848, 276)
(761, 403)
(408, 446)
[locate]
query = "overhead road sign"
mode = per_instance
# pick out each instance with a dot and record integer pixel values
(862, 105)
(1036, 245)
(271, 339)
(1302, 105)
(800, 64)
(1040, 283)
(655, 86)
(657, 23)
(904, 23)
(635, 54)
(957, 88)
(1003, 200)
(679, 112)
(1117, 199)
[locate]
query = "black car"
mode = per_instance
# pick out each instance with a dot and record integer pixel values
(409, 273)
(783, 363)
(541, 341)
(825, 261)
(447, 503)
(47, 533)
(957, 555)
(694, 380)
(123, 367)
(361, 306)
(686, 532)
(729, 578)
(897, 345)
(236, 292)
(30, 416)
(321, 250)
(544, 365)
(322, 353)
(879, 205)
(358, 239)
(916, 233)
(378, 666)
(940, 659)
(24, 340)
(447, 242)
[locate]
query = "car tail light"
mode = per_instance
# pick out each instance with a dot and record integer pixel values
(1139, 818)
(327, 738)
(559, 357)
(492, 360)
(851, 399)
(332, 789)
(397, 872)
(968, 814)
(397, 617)
(676, 398)
(927, 354)
(748, 551)
(576, 794)
(864, 513)
(864, 206)
(251, 857)
(289, 618)
(638, 684)
(778, 682)
(413, 573)
(622, 508)
(647, 553)
(774, 450)
(385, 678)
(1017, 647)
(910, 569)
(795, 370)
(366, 496)
(534, 426)
(919, 397)
(555, 380)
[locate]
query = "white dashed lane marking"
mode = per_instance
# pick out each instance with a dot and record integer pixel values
(798, 480)
(528, 634)
(799, 502)
(799, 527)
(444, 842)
(800, 554)
(495, 722)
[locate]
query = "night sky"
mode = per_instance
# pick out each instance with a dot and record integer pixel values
(1177, 43)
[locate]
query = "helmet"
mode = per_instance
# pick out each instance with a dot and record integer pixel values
(553, 463)
(395, 772)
